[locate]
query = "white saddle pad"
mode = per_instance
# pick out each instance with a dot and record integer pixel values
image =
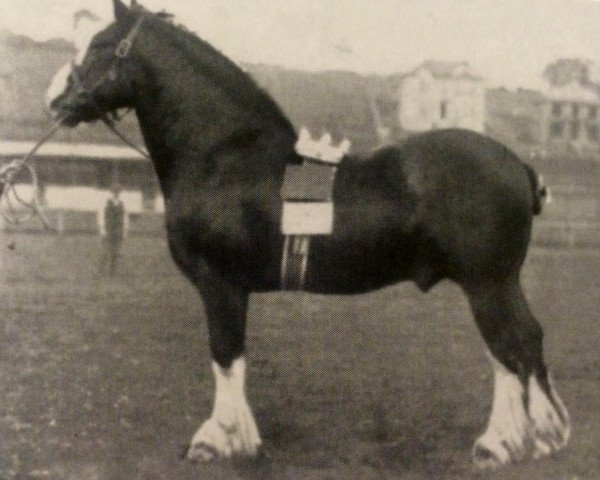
(307, 218)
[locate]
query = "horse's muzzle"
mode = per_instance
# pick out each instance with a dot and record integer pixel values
(70, 110)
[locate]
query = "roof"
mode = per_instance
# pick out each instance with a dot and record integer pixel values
(573, 92)
(79, 150)
(445, 70)
(518, 96)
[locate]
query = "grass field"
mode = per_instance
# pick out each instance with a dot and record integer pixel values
(108, 379)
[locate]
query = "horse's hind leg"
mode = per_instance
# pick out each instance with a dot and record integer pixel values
(528, 418)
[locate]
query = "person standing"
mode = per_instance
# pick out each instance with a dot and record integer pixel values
(112, 227)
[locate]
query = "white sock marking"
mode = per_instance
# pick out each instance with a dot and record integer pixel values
(551, 431)
(231, 429)
(512, 432)
(507, 428)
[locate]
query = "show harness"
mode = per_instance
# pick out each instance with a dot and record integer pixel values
(307, 194)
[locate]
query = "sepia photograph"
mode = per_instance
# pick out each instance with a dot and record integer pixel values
(299, 240)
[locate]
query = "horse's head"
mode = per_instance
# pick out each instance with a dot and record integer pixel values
(102, 77)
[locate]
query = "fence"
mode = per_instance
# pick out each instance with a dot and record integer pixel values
(78, 222)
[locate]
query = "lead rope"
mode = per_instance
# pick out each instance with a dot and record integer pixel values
(8, 172)
(7, 186)
(110, 124)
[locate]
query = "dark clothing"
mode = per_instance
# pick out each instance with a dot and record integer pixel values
(114, 220)
(114, 230)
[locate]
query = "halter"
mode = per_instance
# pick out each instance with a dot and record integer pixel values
(121, 53)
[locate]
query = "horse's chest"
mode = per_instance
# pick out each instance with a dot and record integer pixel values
(232, 233)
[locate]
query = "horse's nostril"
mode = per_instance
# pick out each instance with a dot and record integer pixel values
(55, 104)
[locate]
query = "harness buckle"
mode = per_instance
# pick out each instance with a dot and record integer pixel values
(123, 48)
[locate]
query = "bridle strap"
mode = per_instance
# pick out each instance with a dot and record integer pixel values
(121, 52)
(124, 46)
(110, 124)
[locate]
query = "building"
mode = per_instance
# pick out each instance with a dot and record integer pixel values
(571, 118)
(514, 117)
(74, 180)
(441, 95)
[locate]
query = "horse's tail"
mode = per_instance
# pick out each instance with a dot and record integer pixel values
(541, 193)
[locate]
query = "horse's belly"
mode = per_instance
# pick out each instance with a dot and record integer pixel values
(344, 267)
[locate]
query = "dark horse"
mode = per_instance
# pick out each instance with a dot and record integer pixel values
(447, 204)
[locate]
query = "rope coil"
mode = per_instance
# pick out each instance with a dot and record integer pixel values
(20, 210)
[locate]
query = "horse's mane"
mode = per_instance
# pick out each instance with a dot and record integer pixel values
(212, 64)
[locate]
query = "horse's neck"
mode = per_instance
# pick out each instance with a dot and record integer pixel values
(194, 118)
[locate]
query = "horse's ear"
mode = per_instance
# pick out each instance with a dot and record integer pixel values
(121, 10)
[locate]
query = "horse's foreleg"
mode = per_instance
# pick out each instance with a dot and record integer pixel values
(231, 429)
(528, 418)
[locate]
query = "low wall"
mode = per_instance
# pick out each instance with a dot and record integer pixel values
(572, 217)
(77, 222)
(147, 224)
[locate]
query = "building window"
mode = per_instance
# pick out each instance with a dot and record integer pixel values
(575, 110)
(557, 129)
(443, 109)
(593, 112)
(556, 109)
(592, 131)
(575, 129)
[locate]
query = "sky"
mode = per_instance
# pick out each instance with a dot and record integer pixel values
(508, 42)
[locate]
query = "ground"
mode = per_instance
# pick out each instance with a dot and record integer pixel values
(109, 378)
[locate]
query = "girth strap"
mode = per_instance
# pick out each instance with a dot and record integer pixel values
(294, 262)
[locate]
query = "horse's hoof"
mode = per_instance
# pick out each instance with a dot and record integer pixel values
(488, 457)
(201, 452)
(215, 440)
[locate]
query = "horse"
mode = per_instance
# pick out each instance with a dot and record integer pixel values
(444, 205)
